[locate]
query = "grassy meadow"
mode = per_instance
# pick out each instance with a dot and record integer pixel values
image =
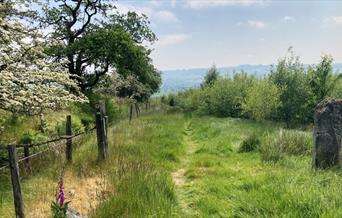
(171, 165)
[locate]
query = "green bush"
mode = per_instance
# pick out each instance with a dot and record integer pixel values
(32, 136)
(76, 126)
(87, 121)
(172, 101)
(222, 98)
(113, 110)
(250, 143)
(262, 100)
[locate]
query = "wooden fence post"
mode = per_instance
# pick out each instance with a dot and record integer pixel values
(130, 112)
(101, 135)
(13, 163)
(105, 127)
(68, 133)
(27, 161)
(106, 124)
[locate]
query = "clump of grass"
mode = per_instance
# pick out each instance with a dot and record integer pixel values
(271, 151)
(141, 191)
(250, 143)
(295, 142)
(291, 142)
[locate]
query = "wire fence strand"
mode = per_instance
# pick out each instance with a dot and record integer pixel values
(62, 141)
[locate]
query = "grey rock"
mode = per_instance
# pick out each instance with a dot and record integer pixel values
(71, 213)
(327, 134)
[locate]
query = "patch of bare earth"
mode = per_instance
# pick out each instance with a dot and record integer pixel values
(179, 177)
(84, 195)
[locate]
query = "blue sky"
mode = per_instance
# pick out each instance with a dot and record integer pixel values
(199, 33)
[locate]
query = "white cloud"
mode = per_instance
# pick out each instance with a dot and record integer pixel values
(202, 4)
(334, 20)
(257, 24)
(165, 17)
(155, 15)
(289, 19)
(124, 8)
(173, 3)
(155, 3)
(172, 39)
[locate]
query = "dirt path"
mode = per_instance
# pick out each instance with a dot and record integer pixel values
(179, 176)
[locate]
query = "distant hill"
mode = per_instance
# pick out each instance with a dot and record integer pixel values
(176, 80)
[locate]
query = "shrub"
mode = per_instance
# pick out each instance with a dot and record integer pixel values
(172, 101)
(250, 143)
(76, 126)
(113, 111)
(222, 98)
(87, 121)
(32, 136)
(262, 100)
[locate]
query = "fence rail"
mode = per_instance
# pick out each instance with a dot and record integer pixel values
(101, 128)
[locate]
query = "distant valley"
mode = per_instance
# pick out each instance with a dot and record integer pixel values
(175, 80)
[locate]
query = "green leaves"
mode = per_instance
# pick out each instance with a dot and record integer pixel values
(95, 43)
(59, 211)
(211, 76)
(262, 100)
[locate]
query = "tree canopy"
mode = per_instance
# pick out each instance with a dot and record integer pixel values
(211, 76)
(95, 39)
(29, 81)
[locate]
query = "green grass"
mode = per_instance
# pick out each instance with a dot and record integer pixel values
(214, 178)
(142, 156)
(232, 184)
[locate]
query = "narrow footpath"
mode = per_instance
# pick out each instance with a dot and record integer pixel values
(179, 176)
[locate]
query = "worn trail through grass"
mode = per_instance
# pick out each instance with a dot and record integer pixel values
(179, 176)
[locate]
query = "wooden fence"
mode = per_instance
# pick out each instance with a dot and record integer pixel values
(101, 127)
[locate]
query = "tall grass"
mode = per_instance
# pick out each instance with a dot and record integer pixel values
(220, 180)
(141, 157)
(290, 142)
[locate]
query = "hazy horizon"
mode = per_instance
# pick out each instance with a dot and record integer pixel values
(246, 64)
(198, 33)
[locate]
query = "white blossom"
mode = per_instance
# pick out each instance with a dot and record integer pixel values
(29, 82)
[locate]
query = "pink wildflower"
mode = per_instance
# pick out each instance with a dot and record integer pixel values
(61, 197)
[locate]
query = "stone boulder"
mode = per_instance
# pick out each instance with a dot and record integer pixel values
(71, 213)
(327, 134)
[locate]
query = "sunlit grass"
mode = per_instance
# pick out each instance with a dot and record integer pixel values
(219, 181)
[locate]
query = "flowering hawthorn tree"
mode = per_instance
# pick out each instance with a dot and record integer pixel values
(30, 83)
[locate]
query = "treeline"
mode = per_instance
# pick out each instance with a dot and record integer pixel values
(289, 93)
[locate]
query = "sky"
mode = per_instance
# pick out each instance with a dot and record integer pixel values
(199, 33)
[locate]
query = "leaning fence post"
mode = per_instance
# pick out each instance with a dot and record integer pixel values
(68, 133)
(14, 168)
(105, 123)
(27, 160)
(101, 135)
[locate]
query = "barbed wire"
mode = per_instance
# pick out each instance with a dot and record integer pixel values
(61, 139)
(56, 139)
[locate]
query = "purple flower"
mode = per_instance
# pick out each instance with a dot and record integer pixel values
(61, 196)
